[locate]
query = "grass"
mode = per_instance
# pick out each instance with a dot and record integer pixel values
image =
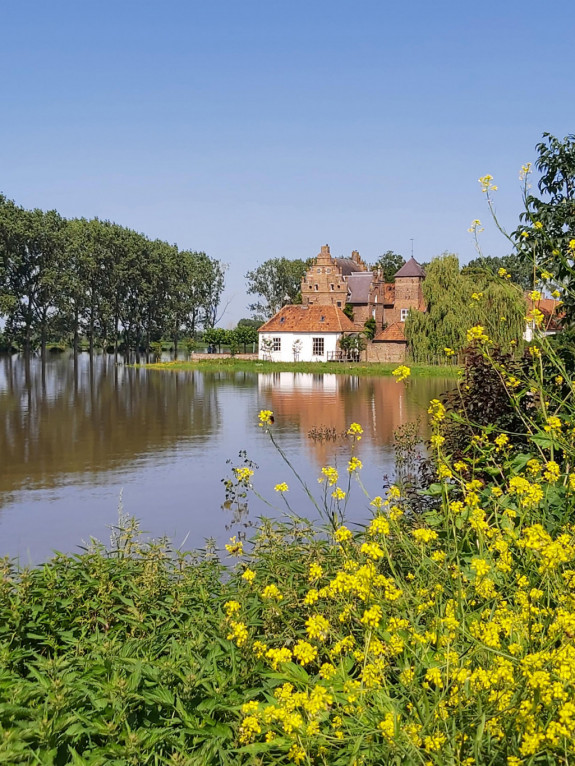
(236, 364)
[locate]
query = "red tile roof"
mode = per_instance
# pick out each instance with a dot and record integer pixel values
(392, 334)
(309, 319)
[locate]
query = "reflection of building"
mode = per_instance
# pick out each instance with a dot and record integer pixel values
(334, 284)
(380, 405)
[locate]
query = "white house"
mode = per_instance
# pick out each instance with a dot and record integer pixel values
(303, 334)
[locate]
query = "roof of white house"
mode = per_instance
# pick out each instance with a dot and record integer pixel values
(320, 319)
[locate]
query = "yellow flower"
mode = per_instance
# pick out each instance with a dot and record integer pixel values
(372, 616)
(355, 430)
(235, 547)
(538, 225)
(553, 424)
(379, 526)
(436, 410)
(272, 592)
(317, 627)
(315, 572)
(476, 333)
(243, 475)
(283, 487)
(475, 226)
(424, 535)
(330, 474)
(327, 671)
(555, 294)
(372, 550)
(476, 296)
(239, 633)
(401, 373)
(343, 534)
(535, 295)
(338, 493)
(502, 272)
(304, 652)
(249, 575)
(266, 418)
(354, 464)
(231, 608)
(546, 275)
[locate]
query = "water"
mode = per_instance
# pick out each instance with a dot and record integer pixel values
(76, 441)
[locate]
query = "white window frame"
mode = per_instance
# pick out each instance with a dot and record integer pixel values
(316, 344)
(404, 315)
(277, 341)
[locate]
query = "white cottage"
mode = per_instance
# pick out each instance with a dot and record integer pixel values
(303, 334)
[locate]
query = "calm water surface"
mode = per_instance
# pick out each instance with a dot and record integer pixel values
(77, 441)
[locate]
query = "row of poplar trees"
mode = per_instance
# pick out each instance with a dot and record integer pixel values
(67, 279)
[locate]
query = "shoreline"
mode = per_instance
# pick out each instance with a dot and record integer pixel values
(238, 364)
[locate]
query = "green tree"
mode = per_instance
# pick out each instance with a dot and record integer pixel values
(389, 263)
(521, 271)
(31, 254)
(246, 335)
(546, 234)
(216, 336)
(455, 302)
(278, 282)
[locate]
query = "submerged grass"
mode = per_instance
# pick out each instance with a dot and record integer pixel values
(234, 364)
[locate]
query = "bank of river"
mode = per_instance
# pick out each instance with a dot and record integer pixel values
(79, 440)
(216, 363)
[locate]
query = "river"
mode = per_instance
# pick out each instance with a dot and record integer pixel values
(80, 441)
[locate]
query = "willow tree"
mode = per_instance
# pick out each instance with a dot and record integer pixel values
(455, 302)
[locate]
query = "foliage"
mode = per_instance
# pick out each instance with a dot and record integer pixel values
(216, 336)
(457, 301)
(369, 328)
(389, 263)
(546, 237)
(348, 311)
(353, 345)
(67, 279)
(278, 282)
(520, 270)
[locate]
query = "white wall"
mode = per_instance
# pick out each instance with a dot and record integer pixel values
(286, 353)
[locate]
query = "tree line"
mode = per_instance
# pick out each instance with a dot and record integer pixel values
(67, 279)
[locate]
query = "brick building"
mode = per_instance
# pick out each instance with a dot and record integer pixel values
(341, 281)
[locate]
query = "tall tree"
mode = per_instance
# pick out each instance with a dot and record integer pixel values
(521, 271)
(455, 302)
(278, 282)
(31, 247)
(546, 236)
(389, 263)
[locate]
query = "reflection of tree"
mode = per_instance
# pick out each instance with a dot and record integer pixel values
(73, 419)
(379, 404)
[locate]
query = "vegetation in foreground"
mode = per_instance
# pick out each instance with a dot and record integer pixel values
(337, 368)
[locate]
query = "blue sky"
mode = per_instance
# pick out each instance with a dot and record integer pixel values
(261, 129)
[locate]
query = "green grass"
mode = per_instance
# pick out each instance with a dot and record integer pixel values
(338, 368)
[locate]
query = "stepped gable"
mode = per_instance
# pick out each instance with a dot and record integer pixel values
(359, 285)
(320, 319)
(392, 334)
(410, 269)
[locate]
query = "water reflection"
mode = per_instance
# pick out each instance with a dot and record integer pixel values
(73, 437)
(65, 420)
(380, 405)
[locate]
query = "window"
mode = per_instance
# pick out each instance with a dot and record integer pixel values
(328, 270)
(339, 304)
(317, 346)
(277, 344)
(404, 313)
(331, 287)
(317, 287)
(319, 271)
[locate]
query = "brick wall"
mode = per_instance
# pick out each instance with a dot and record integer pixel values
(323, 283)
(386, 352)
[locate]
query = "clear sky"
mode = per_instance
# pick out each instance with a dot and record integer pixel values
(253, 129)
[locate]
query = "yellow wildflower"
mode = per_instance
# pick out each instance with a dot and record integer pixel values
(401, 373)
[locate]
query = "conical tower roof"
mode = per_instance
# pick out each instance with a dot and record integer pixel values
(410, 269)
